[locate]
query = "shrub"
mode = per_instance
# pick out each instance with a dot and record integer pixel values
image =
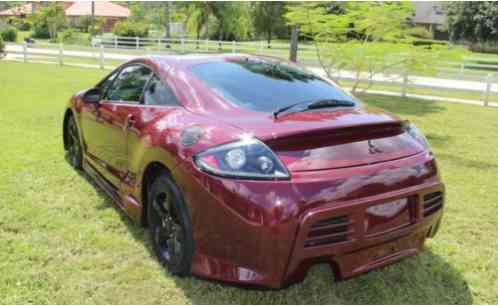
(429, 42)
(68, 36)
(72, 37)
(131, 29)
(83, 23)
(20, 24)
(25, 26)
(2, 46)
(420, 32)
(94, 30)
(9, 33)
(49, 20)
(485, 47)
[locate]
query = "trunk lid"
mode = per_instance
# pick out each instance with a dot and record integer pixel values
(331, 139)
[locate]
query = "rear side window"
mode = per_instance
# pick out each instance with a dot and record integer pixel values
(129, 84)
(265, 86)
(158, 93)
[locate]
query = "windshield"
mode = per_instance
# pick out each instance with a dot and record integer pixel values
(265, 86)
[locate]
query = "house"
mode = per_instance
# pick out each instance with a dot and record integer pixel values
(74, 10)
(111, 12)
(432, 16)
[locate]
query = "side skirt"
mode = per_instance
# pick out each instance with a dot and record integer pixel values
(127, 203)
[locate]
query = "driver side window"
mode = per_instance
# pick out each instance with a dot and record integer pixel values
(129, 84)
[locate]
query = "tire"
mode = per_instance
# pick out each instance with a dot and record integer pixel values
(74, 149)
(169, 226)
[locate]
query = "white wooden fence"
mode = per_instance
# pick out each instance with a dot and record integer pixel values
(100, 55)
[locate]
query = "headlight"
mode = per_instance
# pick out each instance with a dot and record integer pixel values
(248, 158)
(416, 134)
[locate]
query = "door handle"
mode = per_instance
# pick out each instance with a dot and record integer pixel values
(130, 121)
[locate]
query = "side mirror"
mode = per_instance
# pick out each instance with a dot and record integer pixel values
(92, 96)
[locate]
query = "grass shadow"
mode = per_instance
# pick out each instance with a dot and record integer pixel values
(424, 279)
(402, 106)
(438, 140)
(138, 232)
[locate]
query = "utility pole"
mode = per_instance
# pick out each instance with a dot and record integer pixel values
(293, 43)
(167, 16)
(93, 13)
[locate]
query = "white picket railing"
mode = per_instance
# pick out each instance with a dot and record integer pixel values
(100, 55)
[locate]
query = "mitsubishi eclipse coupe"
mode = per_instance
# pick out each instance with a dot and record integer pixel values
(249, 169)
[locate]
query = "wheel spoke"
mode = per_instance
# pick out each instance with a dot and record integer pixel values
(169, 232)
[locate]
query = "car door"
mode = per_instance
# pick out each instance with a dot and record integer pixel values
(158, 102)
(108, 122)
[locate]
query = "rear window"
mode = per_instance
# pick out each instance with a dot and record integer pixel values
(265, 86)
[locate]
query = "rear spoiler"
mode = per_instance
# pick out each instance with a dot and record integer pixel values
(322, 137)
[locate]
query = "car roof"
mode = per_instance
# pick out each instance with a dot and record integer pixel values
(185, 61)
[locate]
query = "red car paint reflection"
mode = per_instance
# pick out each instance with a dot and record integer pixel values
(356, 189)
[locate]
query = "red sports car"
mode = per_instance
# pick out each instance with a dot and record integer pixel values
(249, 169)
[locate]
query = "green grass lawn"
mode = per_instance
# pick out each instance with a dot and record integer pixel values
(63, 241)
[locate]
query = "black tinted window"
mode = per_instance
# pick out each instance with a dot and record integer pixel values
(265, 86)
(129, 85)
(158, 93)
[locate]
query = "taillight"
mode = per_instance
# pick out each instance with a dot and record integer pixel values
(247, 158)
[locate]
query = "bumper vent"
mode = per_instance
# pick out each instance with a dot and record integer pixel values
(432, 203)
(329, 231)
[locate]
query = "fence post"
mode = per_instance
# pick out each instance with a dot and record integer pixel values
(404, 84)
(260, 46)
(25, 51)
(488, 89)
(233, 46)
(159, 43)
(101, 56)
(207, 45)
(115, 42)
(61, 55)
(182, 41)
(462, 67)
(138, 42)
(219, 45)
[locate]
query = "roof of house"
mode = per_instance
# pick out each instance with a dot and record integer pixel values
(25, 9)
(102, 9)
(429, 12)
(78, 8)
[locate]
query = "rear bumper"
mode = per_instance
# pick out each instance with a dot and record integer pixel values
(258, 233)
(360, 250)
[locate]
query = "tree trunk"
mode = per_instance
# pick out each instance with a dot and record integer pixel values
(207, 27)
(269, 38)
(294, 42)
(198, 37)
(167, 19)
(220, 34)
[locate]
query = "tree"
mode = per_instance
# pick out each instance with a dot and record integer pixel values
(269, 18)
(2, 47)
(476, 22)
(48, 21)
(231, 19)
(367, 38)
(198, 14)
